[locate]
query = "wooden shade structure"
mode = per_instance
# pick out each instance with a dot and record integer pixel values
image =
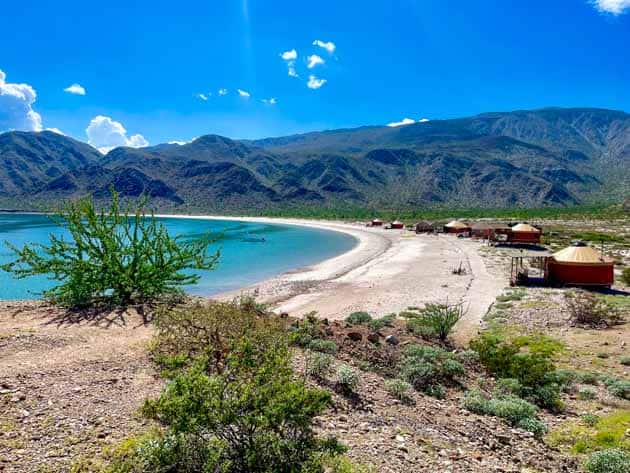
(423, 227)
(482, 230)
(580, 265)
(524, 233)
(456, 226)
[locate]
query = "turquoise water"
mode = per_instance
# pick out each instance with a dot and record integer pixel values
(286, 247)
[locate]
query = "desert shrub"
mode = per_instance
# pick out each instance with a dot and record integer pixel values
(347, 378)
(608, 461)
(625, 360)
(318, 365)
(513, 295)
(428, 368)
(436, 320)
(399, 389)
(528, 359)
(587, 377)
(625, 276)
(385, 321)
(586, 394)
(509, 386)
(588, 310)
(468, 357)
(303, 332)
(342, 464)
(324, 346)
(618, 387)
(120, 256)
(513, 409)
(359, 318)
(589, 419)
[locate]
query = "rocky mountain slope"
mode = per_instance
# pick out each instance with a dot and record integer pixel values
(523, 158)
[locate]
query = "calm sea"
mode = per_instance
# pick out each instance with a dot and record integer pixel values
(244, 259)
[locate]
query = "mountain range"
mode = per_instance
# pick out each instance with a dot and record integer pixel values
(528, 158)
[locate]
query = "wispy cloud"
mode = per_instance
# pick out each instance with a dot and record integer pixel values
(423, 120)
(16, 107)
(75, 89)
(56, 130)
(290, 56)
(223, 92)
(314, 82)
(105, 134)
(327, 45)
(404, 121)
(203, 97)
(314, 60)
(613, 7)
(243, 93)
(270, 101)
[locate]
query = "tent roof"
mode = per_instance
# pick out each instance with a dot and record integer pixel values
(525, 227)
(482, 226)
(580, 254)
(456, 224)
(396, 222)
(376, 220)
(424, 223)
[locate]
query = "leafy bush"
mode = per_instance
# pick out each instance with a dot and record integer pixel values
(318, 365)
(608, 461)
(303, 332)
(509, 386)
(625, 360)
(588, 310)
(436, 320)
(428, 368)
(347, 378)
(236, 405)
(515, 410)
(589, 419)
(398, 389)
(618, 387)
(625, 276)
(586, 394)
(359, 318)
(587, 377)
(385, 321)
(120, 256)
(324, 346)
(528, 359)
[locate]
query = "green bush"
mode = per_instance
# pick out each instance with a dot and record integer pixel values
(625, 360)
(608, 461)
(428, 368)
(625, 276)
(121, 256)
(618, 387)
(588, 377)
(514, 410)
(399, 389)
(590, 419)
(236, 405)
(324, 346)
(359, 318)
(528, 359)
(318, 365)
(509, 386)
(385, 321)
(303, 332)
(586, 394)
(347, 378)
(436, 320)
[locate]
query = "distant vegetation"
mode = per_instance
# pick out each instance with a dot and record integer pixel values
(119, 256)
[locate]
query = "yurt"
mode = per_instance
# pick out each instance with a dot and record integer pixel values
(482, 230)
(524, 233)
(456, 226)
(580, 265)
(397, 224)
(423, 227)
(377, 222)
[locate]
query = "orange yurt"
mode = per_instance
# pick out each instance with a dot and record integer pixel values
(580, 265)
(397, 224)
(456, 226)
(525, 233)
(377, 222)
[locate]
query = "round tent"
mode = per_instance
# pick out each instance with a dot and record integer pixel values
(456, 226)
(397, 224)
(377, 222)
(580, 265)
(524, 233)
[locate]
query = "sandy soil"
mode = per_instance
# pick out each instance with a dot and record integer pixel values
(388, 271)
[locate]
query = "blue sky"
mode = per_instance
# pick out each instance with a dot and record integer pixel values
(143, 66)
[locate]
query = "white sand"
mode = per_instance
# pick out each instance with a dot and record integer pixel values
(386, 272)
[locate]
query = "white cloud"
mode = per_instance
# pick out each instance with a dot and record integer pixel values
(314, 82)
(180, 143)
(314, 60)
(223, 92)
(243, 93)
(270, 101)
(423, 120)
(328, 46)
(203, 97)
(105, 134)
(404, 121)
(614, 7)
(290, 55)
(56, 130)
(75, 89)
(16, 107)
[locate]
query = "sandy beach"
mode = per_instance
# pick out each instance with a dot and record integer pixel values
(386, 272)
